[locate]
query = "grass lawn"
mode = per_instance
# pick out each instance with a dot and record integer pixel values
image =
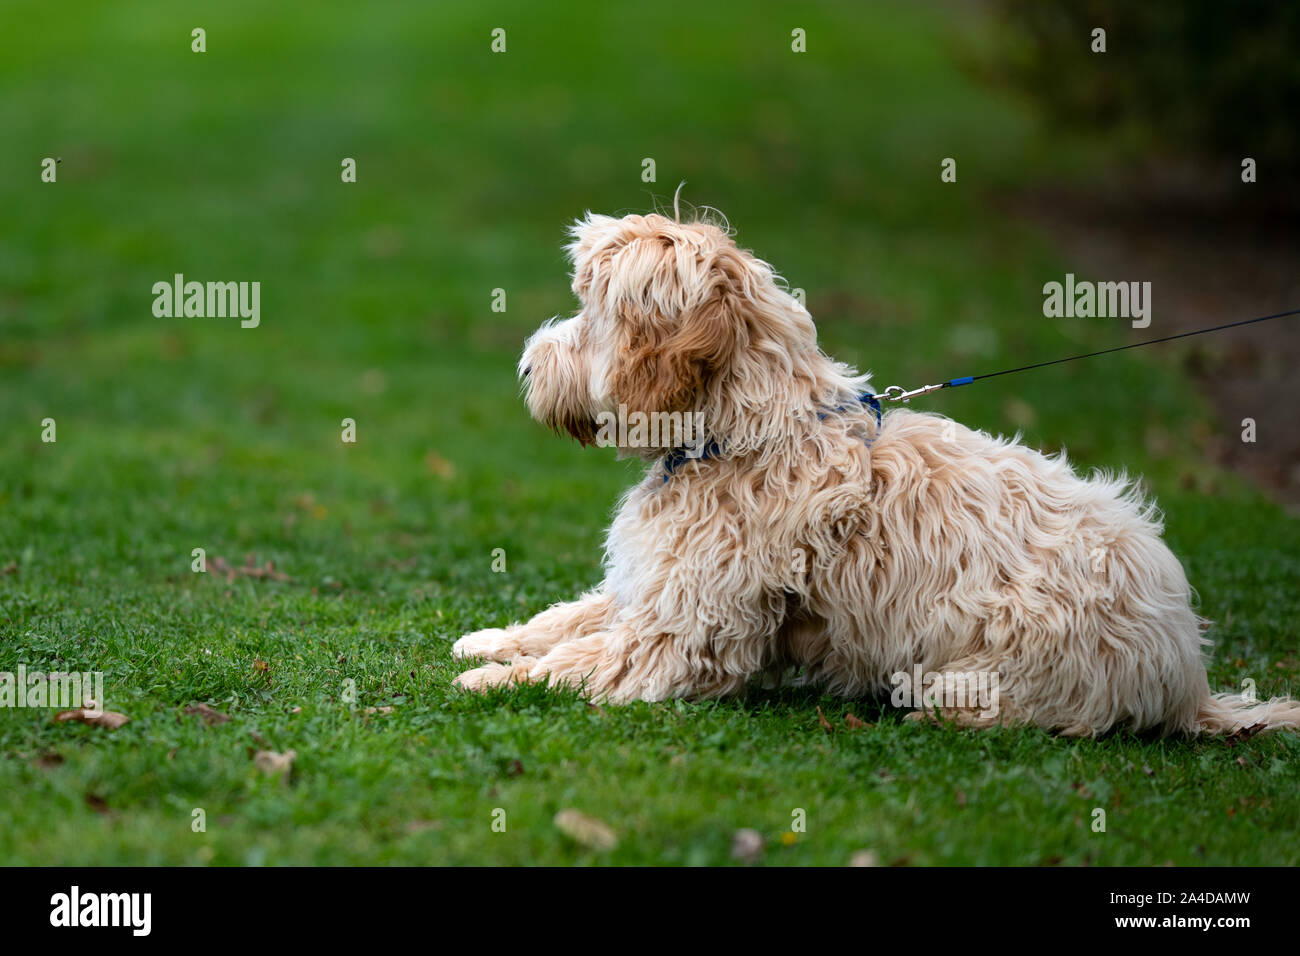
(176, 434)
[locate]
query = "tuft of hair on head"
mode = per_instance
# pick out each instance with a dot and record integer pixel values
(660, 206)
(706, 215)
(715, 218)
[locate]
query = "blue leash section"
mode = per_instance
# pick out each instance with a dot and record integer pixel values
(896, 393)
(1074, 358)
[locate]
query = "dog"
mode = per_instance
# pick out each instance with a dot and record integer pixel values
(811, 534)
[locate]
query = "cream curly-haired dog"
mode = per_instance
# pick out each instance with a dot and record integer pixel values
(806, 534)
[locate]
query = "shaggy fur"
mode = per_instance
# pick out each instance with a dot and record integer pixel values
(816, 540)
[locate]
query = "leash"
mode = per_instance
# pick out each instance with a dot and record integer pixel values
(896, 393)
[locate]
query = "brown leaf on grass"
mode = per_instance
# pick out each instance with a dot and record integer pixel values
(1245, 733)
(438, 465)
(108, 718)
(421, 826)
(249, 569)
(96, 803)
(49, 760)
(588, 831)
(273, 764)
(209, 715)
(261, 667)
(10, 568)
(825, 724)
(855, 722)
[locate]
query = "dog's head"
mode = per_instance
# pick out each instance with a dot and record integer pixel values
(675, 318)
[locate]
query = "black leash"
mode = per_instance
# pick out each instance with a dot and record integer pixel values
(896, 393)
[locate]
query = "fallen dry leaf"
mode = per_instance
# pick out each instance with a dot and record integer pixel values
(249, 569)
(273, 764)
(108, 718)
(855, 722)
(438, 465)
(590, 832)
(421, 826)
(209, 715)
(10, 568)
(825, 724)
(1245, 733)
(96, 803)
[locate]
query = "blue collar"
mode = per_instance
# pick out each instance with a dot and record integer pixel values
(681, 455)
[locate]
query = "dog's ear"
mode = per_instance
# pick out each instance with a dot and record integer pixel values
(669, 358)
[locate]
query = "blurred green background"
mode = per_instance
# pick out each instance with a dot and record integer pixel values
(376, 300)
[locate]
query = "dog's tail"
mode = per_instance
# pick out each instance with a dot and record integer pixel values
(1233, 713)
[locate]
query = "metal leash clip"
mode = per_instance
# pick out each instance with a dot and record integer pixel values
(903, 395)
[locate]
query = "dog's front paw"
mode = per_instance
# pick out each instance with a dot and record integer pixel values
(487, 644)
(493, 675)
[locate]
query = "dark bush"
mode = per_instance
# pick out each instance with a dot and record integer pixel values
(1213, 79)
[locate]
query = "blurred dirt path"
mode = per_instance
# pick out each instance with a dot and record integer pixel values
(1211, 259)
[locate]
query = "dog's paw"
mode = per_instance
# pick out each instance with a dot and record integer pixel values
(492, 675)
(486, 644)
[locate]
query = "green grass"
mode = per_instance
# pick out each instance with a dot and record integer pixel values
(175, 434)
